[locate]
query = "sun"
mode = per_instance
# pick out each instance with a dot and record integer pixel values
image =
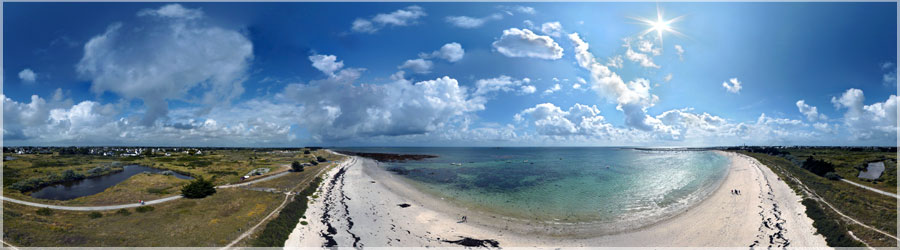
(660, 25)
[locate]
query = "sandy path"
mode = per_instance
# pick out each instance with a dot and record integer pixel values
(359, 205)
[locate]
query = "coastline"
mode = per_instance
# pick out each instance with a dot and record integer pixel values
(360, 205)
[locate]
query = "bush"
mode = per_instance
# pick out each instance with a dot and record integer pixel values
(296, 166)
(832, 176)
(95, 215)
(124, 212)
(303, 223)
(144, 209)
(315, 163)
(818, 167)
(835, 233)
(306, 152)
(198, 188)
(45, 211)
(277, 230)
(321, 159)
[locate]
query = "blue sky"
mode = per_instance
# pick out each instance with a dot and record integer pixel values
(449, 74)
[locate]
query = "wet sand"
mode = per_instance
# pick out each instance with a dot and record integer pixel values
(362, 205)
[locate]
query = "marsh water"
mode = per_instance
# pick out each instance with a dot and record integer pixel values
(564, 185)
(94, 185)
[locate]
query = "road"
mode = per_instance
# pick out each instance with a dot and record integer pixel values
(871, 189)
(114, 207)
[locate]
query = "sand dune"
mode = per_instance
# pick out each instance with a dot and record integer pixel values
(362, 205)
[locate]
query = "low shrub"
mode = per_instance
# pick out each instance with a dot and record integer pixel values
(834, 232)
(198, 188)
(123, 212)
(44, 211)
(157, 190)
(95, 215)
(278, 229)
(144, 209)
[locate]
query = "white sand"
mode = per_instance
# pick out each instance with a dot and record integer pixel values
(367, 197)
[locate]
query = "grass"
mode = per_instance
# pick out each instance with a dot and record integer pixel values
(847, 164)
(278, 229)
(208, 222)
(212, 221)
(868, 207)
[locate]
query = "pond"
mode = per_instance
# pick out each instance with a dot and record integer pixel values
(94, 185)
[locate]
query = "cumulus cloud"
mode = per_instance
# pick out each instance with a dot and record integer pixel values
(524, 43)
(615, 62)
(173, 11)
(734, 87)
(633, 98)
(811, 112)
(467, 22)
(328, 64)
(502, 83)
(28, 76)
(336, 108)
(890, 75)
(552, 89)
(643, 59)
(680, 51)
(418, 66)
(548, 119)
(452, 52)
(402, 17)
(877, 120)
(553, 29)
(165, 60)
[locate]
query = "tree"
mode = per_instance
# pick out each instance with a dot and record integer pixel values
(818, 167)
(198, 188)
(296, 166)
(320, 159)
(313, 162)
(306, 152)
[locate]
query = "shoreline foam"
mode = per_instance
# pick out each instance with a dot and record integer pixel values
(364, 211)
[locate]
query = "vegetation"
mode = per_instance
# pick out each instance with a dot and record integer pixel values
(278, 230)
(144, 209)
(296, 166)
(95, 215)
(868, 207)
(198, 188)
(818, 167)
(123, 212)
(321, 159)
(44, 211)
(835, 233)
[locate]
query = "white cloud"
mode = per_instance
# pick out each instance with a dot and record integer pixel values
(328, 64)
(680, 51)
(173, 11)
(525, 43)
(648, 47)
(734, 87)
(528, 89)
(336, 108)
(452, 52)
(548, 119)
(811, 112)
(467, 22)
(668, 77)
(418, 66)
(528, 24)
(518, 8)
(401, 17)
(878, 120)
(552, 89)
(632, 98)
(165, 60)
(615, 62)
(553, 29)
(502, 83)
(890, 75)
(28, 76)
(643, 59)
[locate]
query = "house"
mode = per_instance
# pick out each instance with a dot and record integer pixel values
(873, 171)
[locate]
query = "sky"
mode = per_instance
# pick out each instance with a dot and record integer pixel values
(449, 74)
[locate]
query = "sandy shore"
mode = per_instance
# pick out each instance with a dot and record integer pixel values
(360, 205)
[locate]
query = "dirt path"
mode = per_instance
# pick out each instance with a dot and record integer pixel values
(892, 195)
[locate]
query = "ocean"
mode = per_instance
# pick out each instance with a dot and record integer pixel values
(564, 185)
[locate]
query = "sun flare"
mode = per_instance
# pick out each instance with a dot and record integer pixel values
(659, 25)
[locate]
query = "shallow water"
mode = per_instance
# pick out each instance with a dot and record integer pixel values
(94, 185)
(565, 185)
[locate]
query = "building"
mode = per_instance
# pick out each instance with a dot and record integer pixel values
(873, 171)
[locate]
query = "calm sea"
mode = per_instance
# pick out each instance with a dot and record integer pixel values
(565, 185)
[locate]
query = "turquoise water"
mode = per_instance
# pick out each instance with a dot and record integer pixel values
(565, 185)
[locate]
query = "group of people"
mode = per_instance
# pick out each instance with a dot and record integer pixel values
(735, 191)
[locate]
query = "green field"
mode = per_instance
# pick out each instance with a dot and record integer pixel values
(868, 207)
(212, 221)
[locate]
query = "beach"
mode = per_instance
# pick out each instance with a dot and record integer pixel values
(360, 204)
